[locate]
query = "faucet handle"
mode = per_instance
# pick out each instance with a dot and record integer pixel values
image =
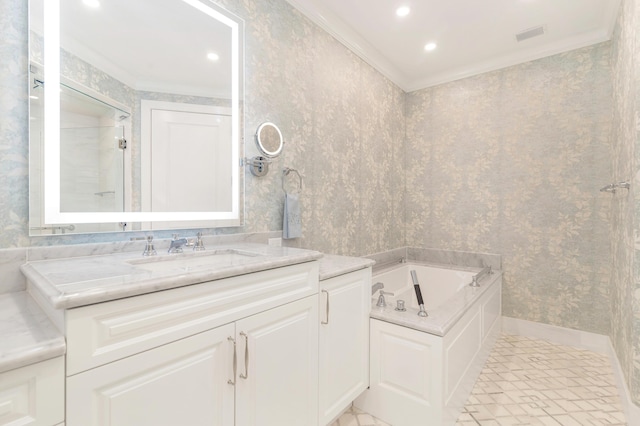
(381, 302)
(199, 244)
(149, 249)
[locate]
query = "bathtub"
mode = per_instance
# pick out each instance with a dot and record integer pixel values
(422, 369)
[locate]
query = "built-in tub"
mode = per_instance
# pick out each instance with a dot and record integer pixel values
(422, 370)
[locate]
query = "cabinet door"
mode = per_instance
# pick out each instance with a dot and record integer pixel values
(277, 381)
(33, 395)
(181, 383)
(344, 302)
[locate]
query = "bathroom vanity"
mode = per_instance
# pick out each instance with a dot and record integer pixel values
(230, 336)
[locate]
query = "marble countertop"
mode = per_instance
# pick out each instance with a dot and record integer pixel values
(333, 266)
(28, 336)
(79, 281)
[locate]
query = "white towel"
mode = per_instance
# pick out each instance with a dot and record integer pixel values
(291, 224)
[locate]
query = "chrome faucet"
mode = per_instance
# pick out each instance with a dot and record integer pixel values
(377, 286)
(177, 244)
(381, 302)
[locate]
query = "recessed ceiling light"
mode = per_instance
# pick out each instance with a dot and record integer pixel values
(91, 3)
(403, 11)
(430, 46)
(213, 56)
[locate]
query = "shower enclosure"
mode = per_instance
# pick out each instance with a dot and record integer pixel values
(93, 139)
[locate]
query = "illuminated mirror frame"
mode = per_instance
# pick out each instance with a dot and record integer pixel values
(52, 213)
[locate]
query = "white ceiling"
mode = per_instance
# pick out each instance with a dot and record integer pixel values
(158, 45)
(473, 36)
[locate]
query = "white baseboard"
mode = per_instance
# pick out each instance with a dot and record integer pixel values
(584, 340)
(559, 335)
(631, 410)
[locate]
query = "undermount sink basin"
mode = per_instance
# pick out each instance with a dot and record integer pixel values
(195, 261)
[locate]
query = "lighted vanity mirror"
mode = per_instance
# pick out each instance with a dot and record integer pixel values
(269, 140)
(135, 117)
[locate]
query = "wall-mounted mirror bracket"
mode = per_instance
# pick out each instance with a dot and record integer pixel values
(259, 165)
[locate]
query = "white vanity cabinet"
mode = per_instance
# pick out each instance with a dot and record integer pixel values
(236, 351)
(33, 395)
(344, 304)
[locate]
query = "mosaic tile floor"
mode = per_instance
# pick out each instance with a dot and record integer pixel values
(534, 382)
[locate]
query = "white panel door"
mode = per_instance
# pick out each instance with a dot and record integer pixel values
(186, 162)
(181, 383)
(277, 380)
(345, 302)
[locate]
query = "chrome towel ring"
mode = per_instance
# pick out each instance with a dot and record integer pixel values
(285, 173)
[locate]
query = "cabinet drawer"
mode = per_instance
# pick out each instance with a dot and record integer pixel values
(106, 332)
(33, 395)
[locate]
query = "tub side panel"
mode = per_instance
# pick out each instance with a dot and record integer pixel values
(406, 376)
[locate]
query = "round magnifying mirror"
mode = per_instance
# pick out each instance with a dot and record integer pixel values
(269, 140)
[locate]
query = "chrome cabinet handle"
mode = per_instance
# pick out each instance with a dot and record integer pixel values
(235, 361)
(246, 356)
(326, 309)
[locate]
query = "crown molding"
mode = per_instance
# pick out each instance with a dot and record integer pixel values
(317, 12)
(516, 58)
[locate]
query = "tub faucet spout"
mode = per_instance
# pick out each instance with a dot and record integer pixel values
(476, 278)
(377, 286)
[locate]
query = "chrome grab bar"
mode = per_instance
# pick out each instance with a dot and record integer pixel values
(612, 187)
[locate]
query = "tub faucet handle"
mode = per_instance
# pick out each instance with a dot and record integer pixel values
(381, 302)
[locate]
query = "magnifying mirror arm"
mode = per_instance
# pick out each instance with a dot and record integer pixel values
(258, 165)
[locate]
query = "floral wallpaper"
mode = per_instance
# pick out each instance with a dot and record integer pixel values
(625, 205)
(343, 127)
(510, 162)
(342, 121)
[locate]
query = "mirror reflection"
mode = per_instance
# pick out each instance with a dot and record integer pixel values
(146, 111)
